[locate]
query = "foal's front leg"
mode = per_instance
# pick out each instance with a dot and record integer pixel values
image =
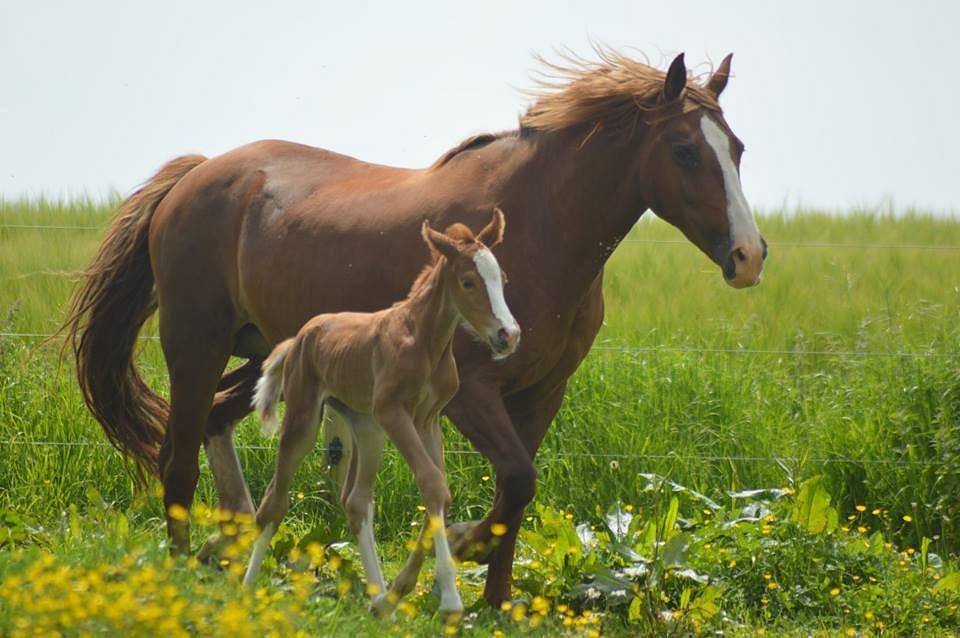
(406, 580)
(433, 487)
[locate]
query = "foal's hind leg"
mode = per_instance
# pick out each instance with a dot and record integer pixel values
(368, 442)
(297, 437)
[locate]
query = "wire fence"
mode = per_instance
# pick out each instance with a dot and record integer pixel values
(668, 242)
(624, 349)
(606, 456)
(602, 348)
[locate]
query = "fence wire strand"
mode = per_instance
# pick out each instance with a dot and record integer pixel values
(655, 349)
(773, 244)
(548, 455)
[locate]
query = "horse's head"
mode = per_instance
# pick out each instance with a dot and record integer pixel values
(693, 163)
(475, 282)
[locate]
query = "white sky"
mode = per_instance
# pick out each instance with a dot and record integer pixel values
(839, 103)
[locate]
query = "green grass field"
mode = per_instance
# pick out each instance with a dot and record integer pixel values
(844, 365)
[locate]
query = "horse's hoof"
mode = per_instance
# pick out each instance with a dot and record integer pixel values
(381, 605)
(464, 547)
(452, 615)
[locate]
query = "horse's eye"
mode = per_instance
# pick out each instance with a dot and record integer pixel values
(687, 155)
(466, 283)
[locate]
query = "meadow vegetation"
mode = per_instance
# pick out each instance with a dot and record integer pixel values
(784, 457)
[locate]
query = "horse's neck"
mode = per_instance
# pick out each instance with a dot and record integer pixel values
(574, 204)
(432, 314)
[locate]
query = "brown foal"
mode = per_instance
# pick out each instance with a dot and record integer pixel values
(391, 371)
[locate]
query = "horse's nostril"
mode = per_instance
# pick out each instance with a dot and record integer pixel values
(502, 335)
(739, 255)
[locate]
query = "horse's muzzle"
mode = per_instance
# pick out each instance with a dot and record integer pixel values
(744, 263)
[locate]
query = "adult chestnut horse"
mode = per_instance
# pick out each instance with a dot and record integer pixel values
(238, 251)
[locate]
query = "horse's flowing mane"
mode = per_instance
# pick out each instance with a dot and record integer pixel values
(611, 93)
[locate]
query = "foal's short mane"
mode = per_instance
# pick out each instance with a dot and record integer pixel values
(460, 233)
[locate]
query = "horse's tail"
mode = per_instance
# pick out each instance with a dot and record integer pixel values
(267, 393)
(115, 297)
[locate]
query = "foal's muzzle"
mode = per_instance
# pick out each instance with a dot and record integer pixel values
(505, 342)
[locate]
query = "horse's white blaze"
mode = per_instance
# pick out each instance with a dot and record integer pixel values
(489, 269)
(743, 228)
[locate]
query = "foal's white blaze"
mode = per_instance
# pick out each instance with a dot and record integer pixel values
(489, 269)
(743, 228)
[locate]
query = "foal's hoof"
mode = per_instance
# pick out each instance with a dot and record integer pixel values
(464, 547)
(382, 605)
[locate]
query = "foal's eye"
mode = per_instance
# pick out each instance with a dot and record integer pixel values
(466, 283)
(687, 155)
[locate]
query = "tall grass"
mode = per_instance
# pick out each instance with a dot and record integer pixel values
(700, 404)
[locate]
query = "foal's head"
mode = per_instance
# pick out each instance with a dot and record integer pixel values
(474, 280)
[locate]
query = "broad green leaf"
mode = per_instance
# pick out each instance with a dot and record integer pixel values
(670, 519)
(675, 550)
(812, 510)
(950, 582)
(707, 604)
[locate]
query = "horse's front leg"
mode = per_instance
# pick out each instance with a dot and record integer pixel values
(433, 487)
(230, 404)
(478, 411)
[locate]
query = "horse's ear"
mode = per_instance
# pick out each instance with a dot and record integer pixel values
(718, 81)
(492, 234)
(438, 242)
(676, 79)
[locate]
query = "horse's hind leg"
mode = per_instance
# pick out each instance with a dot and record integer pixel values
(196, 355)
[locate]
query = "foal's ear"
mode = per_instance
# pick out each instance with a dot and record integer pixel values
(718, 81)
(492, 234)
(676, 79)
(438, 242)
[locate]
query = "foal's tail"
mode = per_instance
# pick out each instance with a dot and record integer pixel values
(115, 297)
(267, 393)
